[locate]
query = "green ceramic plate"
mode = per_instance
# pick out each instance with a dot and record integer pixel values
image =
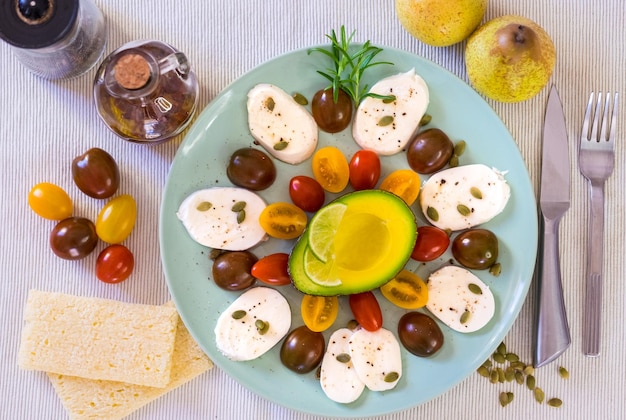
(201, 162)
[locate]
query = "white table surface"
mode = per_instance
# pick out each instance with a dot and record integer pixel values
(44, 124)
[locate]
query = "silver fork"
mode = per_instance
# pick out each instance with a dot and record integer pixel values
(596, 161)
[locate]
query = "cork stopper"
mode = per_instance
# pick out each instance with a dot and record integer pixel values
(132, 71)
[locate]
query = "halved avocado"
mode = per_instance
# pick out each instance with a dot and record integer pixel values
(372, 244)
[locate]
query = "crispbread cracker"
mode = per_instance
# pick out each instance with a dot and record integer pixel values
(98, 338)
(88, 399)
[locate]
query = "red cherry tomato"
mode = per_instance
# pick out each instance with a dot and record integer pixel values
(306, 193)
(431, 243)
(364, 170)
(272, 269)
(114, 264)
(366, 310)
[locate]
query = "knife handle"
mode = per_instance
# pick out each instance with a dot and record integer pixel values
(552, 329)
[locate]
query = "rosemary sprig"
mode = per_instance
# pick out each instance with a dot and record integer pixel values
(349, 68)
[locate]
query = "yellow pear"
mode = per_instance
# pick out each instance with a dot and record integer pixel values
(440, 22)
(509, 59)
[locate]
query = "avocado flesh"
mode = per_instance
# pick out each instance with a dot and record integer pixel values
(372, 245)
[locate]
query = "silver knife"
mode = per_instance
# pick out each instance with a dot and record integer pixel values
(552, 336)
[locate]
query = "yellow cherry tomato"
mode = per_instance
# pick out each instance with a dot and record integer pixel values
(50, 201)
(331, 169)
(404, 183)
(319, 312)
(283, 220)
(407, 290)
(116, 220)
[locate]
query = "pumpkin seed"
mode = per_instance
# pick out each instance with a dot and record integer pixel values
(432, 214)
(270, 104)
(261, 326)
(505, 398)
(519, 377)
(463, 210)
(281, 145)
(343, 358)
(498, 357)
(241, 216)
(539, 395)
(238, 206)
(495, 269)
(389, 99)
(493, 377)
(530, 382)
(563, 372)
(487, 363)
(475, 289)
(509, 374)
(204, 206)
(529, 370)
(501, 348)
(238, 314)
(459, 147)
(391, 377)
(454, 161)
(501, 376)
(465, 317)
(555, 402)
(476, 193)
(483, 371)
(386, 120)
(300, 99)
(518, 365)
(426, 118)
(512, 357)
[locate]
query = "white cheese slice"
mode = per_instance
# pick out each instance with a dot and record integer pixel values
(282, 126)
(376, 357)
(236, 334)
(386, 128)
(464, 196)
(210, 220)
(338, 376)
(450, 297)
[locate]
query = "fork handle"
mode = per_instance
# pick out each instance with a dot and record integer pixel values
(592, 318)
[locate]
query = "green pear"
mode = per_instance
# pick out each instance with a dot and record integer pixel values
(509, 59)
(440, 22)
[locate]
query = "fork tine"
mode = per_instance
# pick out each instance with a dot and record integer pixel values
(587, 119)
(613, 120)
(605, 119)
(596, 119)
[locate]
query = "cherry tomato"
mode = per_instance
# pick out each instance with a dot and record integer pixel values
(319, 312)
(233, 270)
(364, 170)
(329, 115)
(251, 168)
(306, 193)
(73, 238)
(420, 334)
(302, 350)
(114, 264)
(431, 243)
(272, 269)
(366, 310)
(95, 173)
(116, 220)
(475, 248)
(330, 169)
(283, 220)
(429, 151)
(404, 183)
(406, 290)
(50, 201)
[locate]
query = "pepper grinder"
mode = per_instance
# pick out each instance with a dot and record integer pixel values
(55, 39)
(146, 91)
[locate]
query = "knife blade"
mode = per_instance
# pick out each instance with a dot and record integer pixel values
(552, 334)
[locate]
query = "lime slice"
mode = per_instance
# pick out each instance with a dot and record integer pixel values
(322, 229)
(322, 273)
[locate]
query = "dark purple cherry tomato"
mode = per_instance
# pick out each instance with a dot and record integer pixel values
(232, 270)
(302, 350)
(306, 193)
(475, 248)
(364, 170)
(429, 151)
(420, 334)
(329, 115)
(272, 269)
(366, 310)
(114, 264)
(73, 238)
(95, 173)
(251, 168)
(431, 243)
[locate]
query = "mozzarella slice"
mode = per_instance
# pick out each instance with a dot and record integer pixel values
(464, 196)
(210, 220)
(386, 128)
(462, 307)
(338, 377)
(236, 334)
(282, 126)
(376, 357)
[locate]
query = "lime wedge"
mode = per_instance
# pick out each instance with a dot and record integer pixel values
(322, 229)
(322, 273)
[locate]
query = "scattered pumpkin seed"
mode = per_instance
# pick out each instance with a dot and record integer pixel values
(483, 371)
(501, 376)
(241, 216)
(519, 377)
(215, 253)
(343, 358)
(391, 377)
(476, 193)
(459, 147)
(501, 348)
(498, 357)
(204, 206)
(426, 118)
(563, 372)
(475, 289)
(512, 357)
(238, 314)
(432, 214)
(389, 99)
(300, 99)
(463, 210)
(238, 206)
(352, 325)
(493, 377)
(261, 326)
(454, 161)
(539, 395)
(465, 317)
(487, 363)
(529, 370)
(270, 104)
(530, 382)
(386, 120)
(495, 269)
(281, 145)
(517, 365)
(509, 374)
(505, 398)
(555, 402)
